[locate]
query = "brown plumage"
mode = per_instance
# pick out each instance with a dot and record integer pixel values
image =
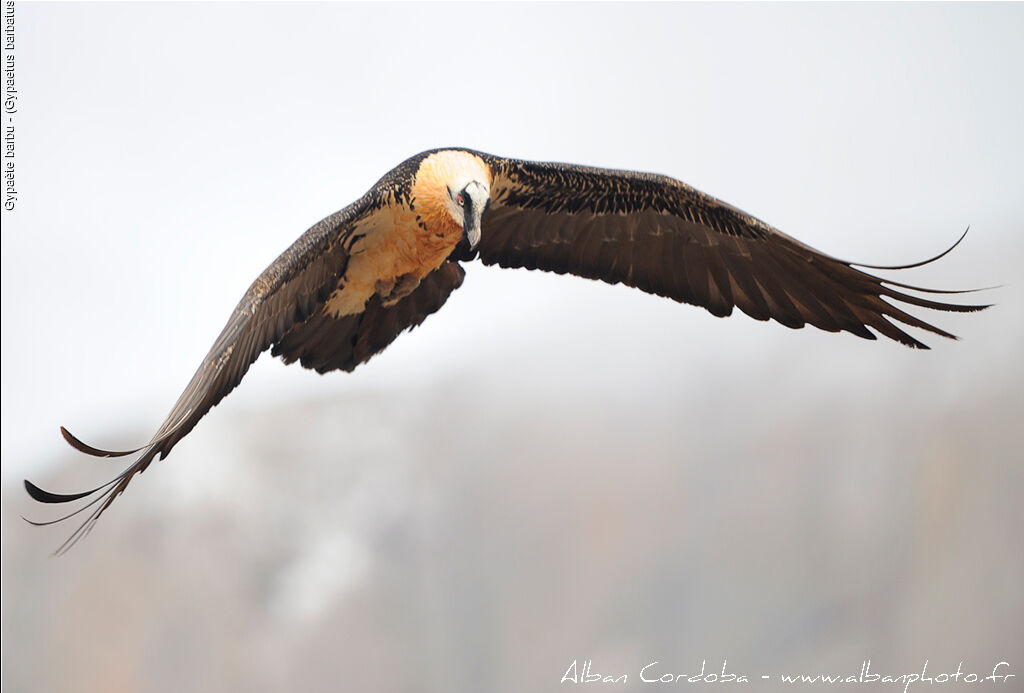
(353, 282)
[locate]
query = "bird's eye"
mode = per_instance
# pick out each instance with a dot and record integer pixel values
(462, 202)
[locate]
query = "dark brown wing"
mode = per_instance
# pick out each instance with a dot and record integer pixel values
(285, 294)
(326, 343)
(666, 238)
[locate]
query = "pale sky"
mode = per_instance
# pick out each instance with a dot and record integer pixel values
(165, 154)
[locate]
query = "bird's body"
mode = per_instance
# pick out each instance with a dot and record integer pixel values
(408, 237)
(354, 281)
(380, 259)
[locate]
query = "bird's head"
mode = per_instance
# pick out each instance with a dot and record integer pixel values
(467, 205)
(452, 189)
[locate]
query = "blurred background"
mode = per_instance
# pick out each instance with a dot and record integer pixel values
(549, 469)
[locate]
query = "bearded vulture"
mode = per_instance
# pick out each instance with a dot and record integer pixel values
(354, 281)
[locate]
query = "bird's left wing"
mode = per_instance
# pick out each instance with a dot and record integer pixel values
(285, 294)
(664, 237)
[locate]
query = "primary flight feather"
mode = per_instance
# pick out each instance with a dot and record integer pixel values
(354, 281)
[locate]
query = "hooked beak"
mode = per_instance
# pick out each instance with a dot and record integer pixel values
(471, 229)
(477, 199)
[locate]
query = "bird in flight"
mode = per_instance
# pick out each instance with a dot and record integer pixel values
(357, 279)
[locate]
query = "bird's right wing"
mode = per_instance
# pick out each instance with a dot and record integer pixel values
(285, 294)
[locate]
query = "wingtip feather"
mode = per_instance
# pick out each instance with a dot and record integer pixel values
(921, 263)
(44, 496)
(77, 444)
